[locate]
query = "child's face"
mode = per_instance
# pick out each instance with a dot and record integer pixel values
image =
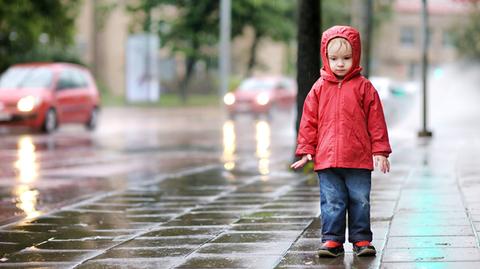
(340, 58)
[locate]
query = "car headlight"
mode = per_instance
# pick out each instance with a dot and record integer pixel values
(27, 103)
(263, 99)
(229, 99)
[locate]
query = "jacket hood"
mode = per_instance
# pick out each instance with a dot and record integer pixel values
(353, 37)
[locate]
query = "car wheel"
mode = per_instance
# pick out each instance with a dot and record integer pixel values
(50, 123)
(91, 124)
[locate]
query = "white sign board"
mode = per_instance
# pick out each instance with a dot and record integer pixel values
(143, 83)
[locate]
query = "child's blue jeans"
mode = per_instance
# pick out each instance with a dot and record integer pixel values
(345, 190)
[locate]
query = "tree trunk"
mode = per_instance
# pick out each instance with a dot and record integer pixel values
(253, 54)
(308, 55)
(190, 63)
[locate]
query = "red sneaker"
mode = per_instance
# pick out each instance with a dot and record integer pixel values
(331, 249)
(364, 248)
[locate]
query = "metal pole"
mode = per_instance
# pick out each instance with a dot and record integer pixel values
(368, 37)
(424, 132)
(225, 22)
(148, 30)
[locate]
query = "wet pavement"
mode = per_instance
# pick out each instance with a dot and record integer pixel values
(186, 188)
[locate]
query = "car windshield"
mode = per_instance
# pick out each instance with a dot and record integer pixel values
(26, 77)
(256, 85)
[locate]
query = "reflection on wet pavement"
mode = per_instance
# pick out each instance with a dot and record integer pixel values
(262, 136)
(229, 145)
(27, 167)
(208, 193)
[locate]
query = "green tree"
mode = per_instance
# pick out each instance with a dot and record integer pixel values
(267, 18)
(190, 33)
(194, 31)
(32, 30)
(467, 36)
(336, 12)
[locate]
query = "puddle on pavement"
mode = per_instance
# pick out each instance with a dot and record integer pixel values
(210, 216)
(288, 220)
(174, 231)
(82, 233)
(313, 206)
(35, 227)
(268, 227)
(310, 259)
(184, 191)
(144, 241)
(95, 226)
(255, 237)
(198, 222)
(78, 244)
(229, 209)
(57, 256)
(156, 252)
(20, 236)
(211, 177)
(291, 213)
(131, 263)
(229, 261)
(7, 247)
(149, 219)
(152, 211)
(245, 248)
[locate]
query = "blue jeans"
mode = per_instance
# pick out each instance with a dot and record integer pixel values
(345, 190)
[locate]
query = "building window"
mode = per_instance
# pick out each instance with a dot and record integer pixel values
(407, 36)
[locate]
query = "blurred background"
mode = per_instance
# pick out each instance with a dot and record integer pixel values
(173, 45)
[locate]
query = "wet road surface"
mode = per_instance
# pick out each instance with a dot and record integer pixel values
(190, 189)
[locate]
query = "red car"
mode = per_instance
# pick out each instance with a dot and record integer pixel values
(43, 95)
(259, 95)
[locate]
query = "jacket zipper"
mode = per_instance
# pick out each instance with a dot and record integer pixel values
(336, 123)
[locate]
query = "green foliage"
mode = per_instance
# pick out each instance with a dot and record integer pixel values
(195, 100)
(194, 31)
(191, 27)
(196, 27)
(27, 27)
(336, 12)
(467, 36)
(273, 19)
(382, 11)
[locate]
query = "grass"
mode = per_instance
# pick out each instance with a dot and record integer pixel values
(173, 100)
(166, 100)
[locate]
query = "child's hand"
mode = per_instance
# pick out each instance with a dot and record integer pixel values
(382, 162)
(300, 163)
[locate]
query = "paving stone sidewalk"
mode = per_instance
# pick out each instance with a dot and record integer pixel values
(425, 214)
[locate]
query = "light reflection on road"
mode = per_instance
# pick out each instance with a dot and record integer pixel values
(229, 145)
(263, 138)
(27, 173)
(262, 145)
(26, 164)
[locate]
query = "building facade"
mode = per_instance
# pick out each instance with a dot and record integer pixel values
(102, 32)
(397, 46)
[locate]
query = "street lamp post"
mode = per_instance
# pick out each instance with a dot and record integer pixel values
(225, 22)
(368, 35)
(424, 132)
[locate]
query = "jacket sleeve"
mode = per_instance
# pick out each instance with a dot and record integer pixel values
(376, 125)
(307, 138)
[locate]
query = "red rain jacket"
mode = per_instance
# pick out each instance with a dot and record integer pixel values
(343, 123)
